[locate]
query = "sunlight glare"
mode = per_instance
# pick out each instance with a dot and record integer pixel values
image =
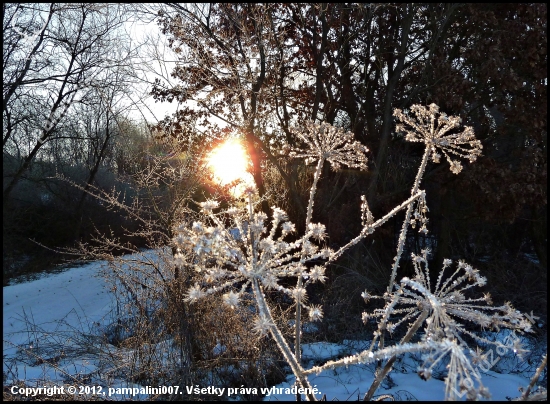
(229, 162)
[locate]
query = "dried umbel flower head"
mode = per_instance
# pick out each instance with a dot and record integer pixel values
(231, 251)
(448, 308)
(439, 132)
(462, 378)
(315, 313)
(326, 142)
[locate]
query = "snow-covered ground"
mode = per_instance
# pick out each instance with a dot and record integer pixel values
(54, 317)
(404, 384)
(58, 316)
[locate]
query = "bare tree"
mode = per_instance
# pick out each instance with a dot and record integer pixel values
(53, 57)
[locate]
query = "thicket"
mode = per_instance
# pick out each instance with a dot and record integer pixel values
(46, 214)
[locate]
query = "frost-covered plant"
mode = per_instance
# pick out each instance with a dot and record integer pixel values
(324, 142)
(447, 311)
(235, 251)
(448, 304)
(240, 251)
(435, 129)
(236, 248)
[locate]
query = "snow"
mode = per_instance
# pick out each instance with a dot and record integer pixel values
(43, 318)
(503, 374)
(351, 383)
(76, 292)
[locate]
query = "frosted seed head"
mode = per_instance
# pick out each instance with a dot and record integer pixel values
(262, 325)
(439, 131)
(269, 281)
(326, 253)
(299, 294)
(179, 260)
(366, 297)
(456, 167)
(288, 227)
(279, 214)
(324, 141)
(231, 299)
(194, 293)
(315, 313)
(317, 230)
(317, 273)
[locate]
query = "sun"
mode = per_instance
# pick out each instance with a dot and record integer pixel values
(229, 162)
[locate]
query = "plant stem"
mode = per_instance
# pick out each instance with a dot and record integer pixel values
(403, 234)
(250, 234)
(535, 378)
(263, 307)
(281, 342)
(400, 248)
(383, 373)
(312, 191)
(369, 229)
(298, 321)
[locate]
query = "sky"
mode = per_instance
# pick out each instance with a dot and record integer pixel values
(157, 61)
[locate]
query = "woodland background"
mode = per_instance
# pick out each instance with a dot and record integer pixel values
(71, 91)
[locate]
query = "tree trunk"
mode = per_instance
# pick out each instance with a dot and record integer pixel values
(91, 178)
(387, 117)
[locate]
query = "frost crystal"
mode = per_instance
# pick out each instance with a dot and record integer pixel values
(194, 294)
(317, 273)
(317, 230)
(299, 294)
(366, 215)
(262, 325)
(279, 215)
(315, 313)
(288, 227)
(231, 299)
